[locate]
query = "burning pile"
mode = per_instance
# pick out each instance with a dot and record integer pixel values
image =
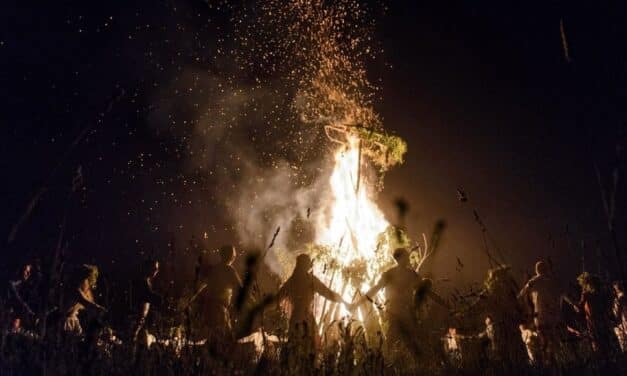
(354, 245)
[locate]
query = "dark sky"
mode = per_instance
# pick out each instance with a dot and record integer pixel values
(481, 91)
(489, 103)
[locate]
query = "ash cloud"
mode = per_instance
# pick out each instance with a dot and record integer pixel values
(268, 199)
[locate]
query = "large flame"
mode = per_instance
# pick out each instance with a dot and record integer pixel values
(351, 232)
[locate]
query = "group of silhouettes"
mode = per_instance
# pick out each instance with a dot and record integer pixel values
(538, 339)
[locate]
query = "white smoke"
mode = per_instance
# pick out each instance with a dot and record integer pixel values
(268, 199)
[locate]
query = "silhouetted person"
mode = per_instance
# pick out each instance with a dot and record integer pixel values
(544, 295)
(299, 291)
(489, 336)
(220, 283)
(403, 289)
(619, 312)
(79, 298)
(452, 347)
(145, 298)
(20, 295)
(499, 301)
(594, 305)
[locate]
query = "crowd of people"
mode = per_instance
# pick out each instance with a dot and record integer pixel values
(534, 323)
(521, 326)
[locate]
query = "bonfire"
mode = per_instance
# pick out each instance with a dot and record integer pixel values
(353, 244)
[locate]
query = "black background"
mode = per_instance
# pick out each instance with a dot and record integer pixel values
(481, 91)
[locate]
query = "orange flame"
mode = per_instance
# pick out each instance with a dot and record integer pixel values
(352, 231)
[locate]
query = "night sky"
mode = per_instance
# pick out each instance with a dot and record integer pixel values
(481, 90)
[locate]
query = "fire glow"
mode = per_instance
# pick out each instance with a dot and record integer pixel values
(351, 233)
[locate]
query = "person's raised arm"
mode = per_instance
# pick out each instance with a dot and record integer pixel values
(88, 301)
(525, 290)
(371, 293)
(323, 290)
(438, 299)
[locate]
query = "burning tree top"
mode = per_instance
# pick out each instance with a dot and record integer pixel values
(384, 150)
